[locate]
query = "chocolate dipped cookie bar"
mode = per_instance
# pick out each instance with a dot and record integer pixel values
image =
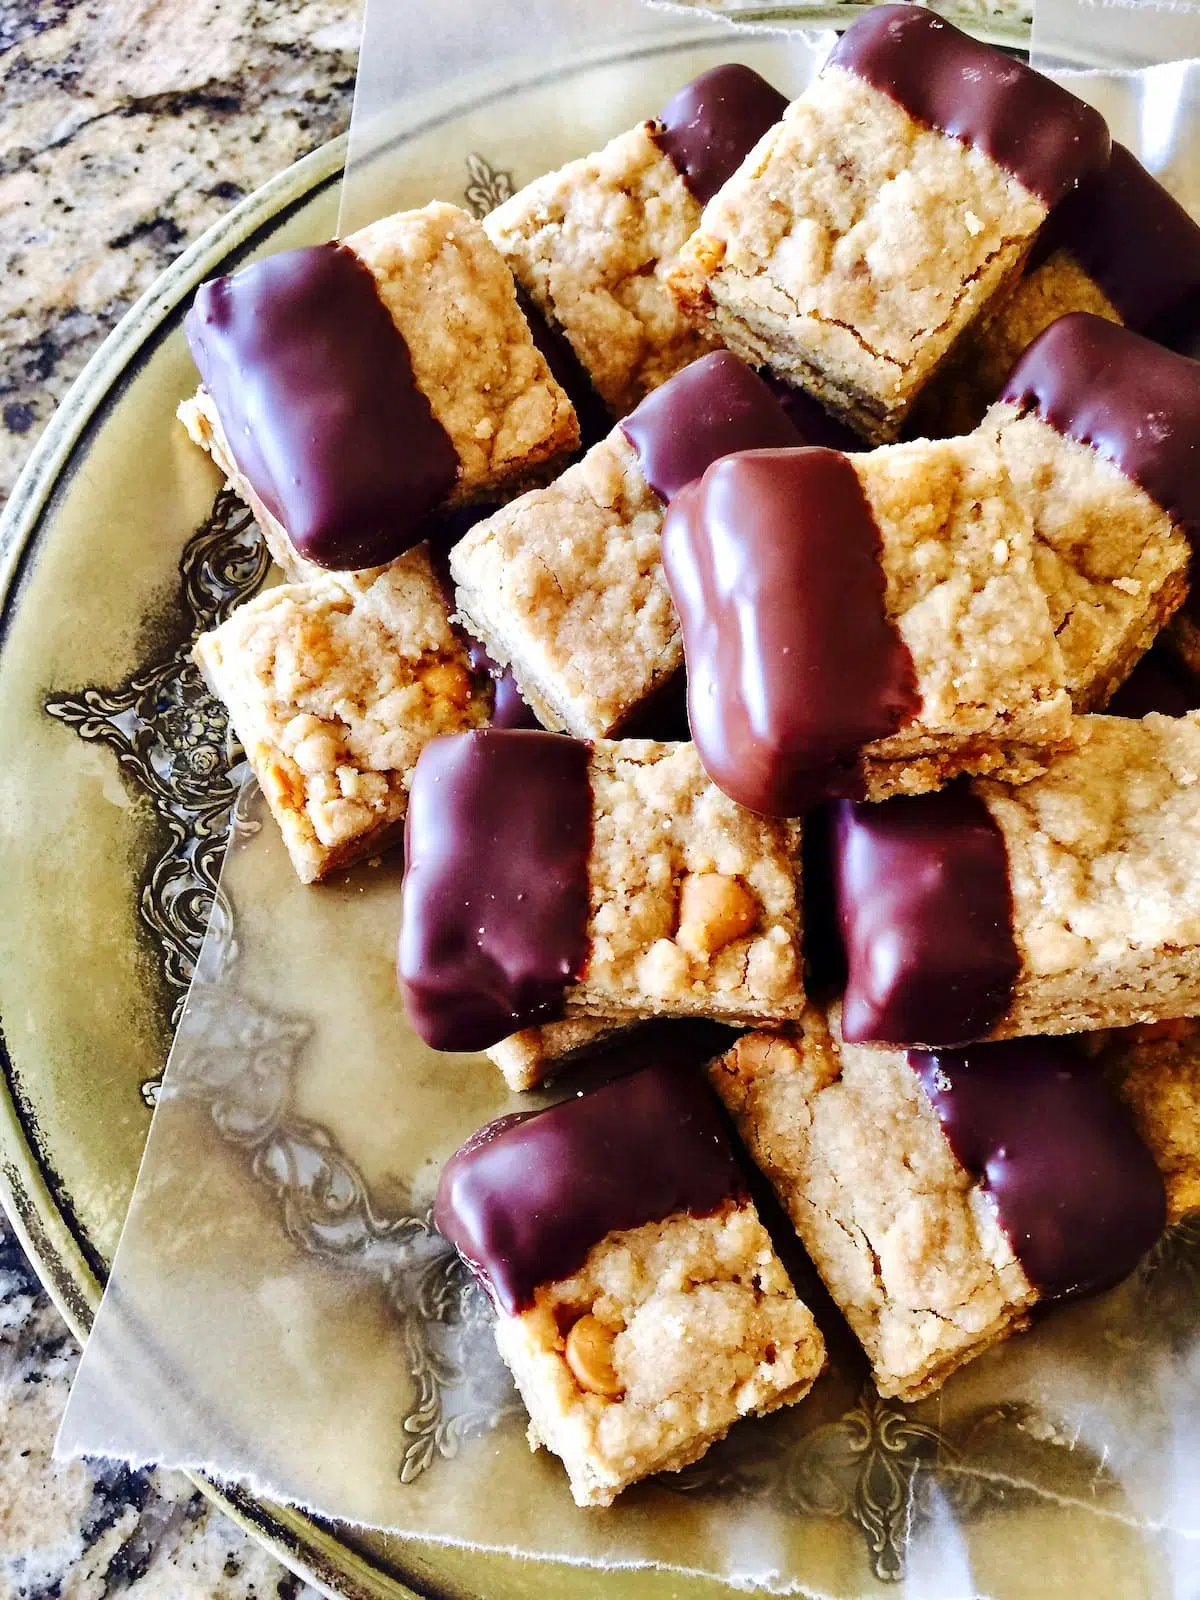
(862, 625)
(1062, 905)
(639, 1303)
(943, 1195)
(898, 195)
(1100, 431)
(566, 582)
(591, 243)
(548, 877)
(350, 389)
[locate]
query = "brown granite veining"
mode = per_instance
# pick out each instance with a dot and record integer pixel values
(126, 128)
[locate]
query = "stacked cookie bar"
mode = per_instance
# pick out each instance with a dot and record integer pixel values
(794, 747)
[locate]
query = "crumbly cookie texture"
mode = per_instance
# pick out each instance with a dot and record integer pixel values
(1104, 867)
(852, 248)
(907, 1243)
(566, 585)
(536, 1055)
(971, 378)
(591, 245)
(963, 593)
(452, 298)
(1112, 564)
(1156, 1071)
(651, 1352)
(334, 687)
(695, 902)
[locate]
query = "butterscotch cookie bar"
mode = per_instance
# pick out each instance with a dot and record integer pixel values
(1121, 247)
(565, 584)
(895, 198)
(333, 687)
(941, 1196)
(351, 388)
(1068, 903)
(862, 625)
(1100, 431)
(1156, 1072)
(591, 244)
(546, 876)
(640, 1304)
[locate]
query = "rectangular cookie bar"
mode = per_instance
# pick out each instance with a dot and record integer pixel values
(640, 1305)
(548, 877)
(566, 583)
(1066, 904)
(591, 243)
(863, 236)
(349, 389)
(1121, 247)
(1100, 431)
(888, 1163)
(333, 687)
(862, 625)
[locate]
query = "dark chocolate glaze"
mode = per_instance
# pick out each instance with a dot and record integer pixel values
(809, 417)
(1133, 238)
(1076, 1190)
(496, 885)
(315, 390)
(509, 708)
(1133, 401)
(925, 911)
(1158, 683)
(709, 128)
(527, 1197)
(710, 409)
(1046, 138)
(773, 560)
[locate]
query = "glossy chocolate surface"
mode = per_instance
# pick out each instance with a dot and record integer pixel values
(709, 410)
(1127, 397)
(773, 560)
(528, 1196)
(1158, 683)
(1036, 131)
(314, 386)
(1076, 1190)
(1133, 238)
(496, 886)
(925, 913)
(709, 128)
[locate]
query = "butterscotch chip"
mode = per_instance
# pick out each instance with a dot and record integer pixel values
(713, 911)
(589, 1354)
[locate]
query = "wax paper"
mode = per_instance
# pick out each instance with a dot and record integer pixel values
(281, 1313)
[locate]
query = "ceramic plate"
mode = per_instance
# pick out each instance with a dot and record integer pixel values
(115, 787)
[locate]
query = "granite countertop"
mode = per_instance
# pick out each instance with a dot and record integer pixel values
(126, 128)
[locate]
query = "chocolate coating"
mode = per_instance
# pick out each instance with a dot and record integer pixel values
(1127, 397)
(1157, 683)
(528, 1196)
(710, 409)
(709, 128)
(1076, 1190)
(315, 389)
(1133, 238)
(496, 884)
(773, 560)
(1036, 131)
(925, 912)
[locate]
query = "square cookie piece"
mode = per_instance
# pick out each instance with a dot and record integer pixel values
(640, 1304)
(592, 243)
(859, 240)
(333, 687)
(352, 388)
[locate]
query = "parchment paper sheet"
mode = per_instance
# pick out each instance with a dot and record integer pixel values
(280, 1313)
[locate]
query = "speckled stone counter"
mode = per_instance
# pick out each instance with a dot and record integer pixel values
(126, 128)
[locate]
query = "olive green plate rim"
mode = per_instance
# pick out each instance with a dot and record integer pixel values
(39, 1218)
